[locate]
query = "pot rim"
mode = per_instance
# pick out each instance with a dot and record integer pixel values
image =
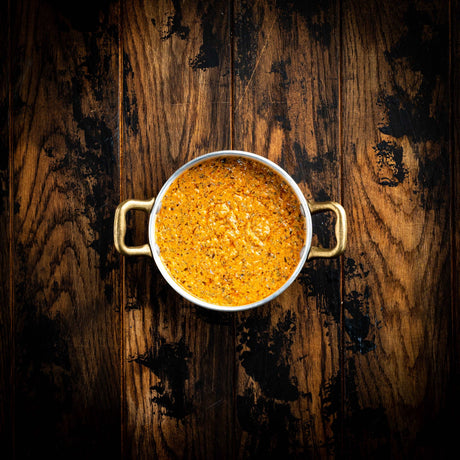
(235, 153)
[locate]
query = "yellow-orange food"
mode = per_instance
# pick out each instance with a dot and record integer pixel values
(230, 231)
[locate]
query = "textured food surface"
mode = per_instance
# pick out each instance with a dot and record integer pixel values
(230, 231)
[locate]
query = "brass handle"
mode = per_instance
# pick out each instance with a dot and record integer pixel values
(119, 227)
(340, 229)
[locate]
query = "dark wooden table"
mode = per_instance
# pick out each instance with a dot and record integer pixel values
(102, 101)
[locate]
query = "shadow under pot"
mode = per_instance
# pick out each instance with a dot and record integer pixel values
(230, 230)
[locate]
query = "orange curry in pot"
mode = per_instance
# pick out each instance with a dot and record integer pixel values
(230, 231)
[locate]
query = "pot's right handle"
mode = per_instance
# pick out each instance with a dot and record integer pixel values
(119, 227)
(340, 229)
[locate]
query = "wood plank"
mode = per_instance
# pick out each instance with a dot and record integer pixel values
(6, 339)
(397, 312)
(67, 325)
(455, 157)
(178, 366)
(286, 93)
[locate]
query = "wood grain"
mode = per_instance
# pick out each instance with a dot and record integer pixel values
(6, 339)
(67, 328)
(397, 310)
(178, 362)
(455, 157)
(286, 71)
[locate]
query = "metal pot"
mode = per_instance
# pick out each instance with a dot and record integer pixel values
(153, 205)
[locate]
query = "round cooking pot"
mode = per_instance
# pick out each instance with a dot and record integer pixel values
(153, 206)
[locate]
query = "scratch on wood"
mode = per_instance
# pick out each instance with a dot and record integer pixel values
(256, 64)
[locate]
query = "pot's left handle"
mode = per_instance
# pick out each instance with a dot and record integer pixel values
(119, 227)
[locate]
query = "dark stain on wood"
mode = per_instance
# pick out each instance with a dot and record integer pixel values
(43, 378)
(331, 394)
(83, 15)
(324, 222)
(315, 15)
(279, 67)
(353, 269)
(417, 51)
(172, 23)
(317, 163)
(270, 424)
(208, 55)
(326, 110)
(408, 117)
(362, 422)
(316, 282)
(160, 292)
(301, 165)
(357, 322)
(432, 175)
(214, 317)
(169, 362)
(275, 113)
(92, 155)
(246, 27)
(391, 169)
(264, 352)
(131, 304)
